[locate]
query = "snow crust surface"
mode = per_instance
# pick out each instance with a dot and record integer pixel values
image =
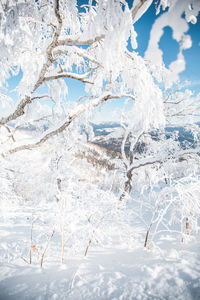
(122, 269)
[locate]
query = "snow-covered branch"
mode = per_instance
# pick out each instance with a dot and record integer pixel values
(160, 160)
(79, 42)
(139, 8)
(79, 52)
(79, 77)
(81, 108)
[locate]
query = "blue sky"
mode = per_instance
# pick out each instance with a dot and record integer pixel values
(170, 50)
(170, 46)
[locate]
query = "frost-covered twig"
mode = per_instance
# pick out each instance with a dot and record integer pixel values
(159, 221)
(47, 245)
(149, 228)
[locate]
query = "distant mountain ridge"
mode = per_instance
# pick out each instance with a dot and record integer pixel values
(110, 135)
(102, 128)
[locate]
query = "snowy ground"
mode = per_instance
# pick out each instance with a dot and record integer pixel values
(118, 270)
(117, 265)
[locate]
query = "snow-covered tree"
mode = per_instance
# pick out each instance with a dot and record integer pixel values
(46, 42)
(49, 41)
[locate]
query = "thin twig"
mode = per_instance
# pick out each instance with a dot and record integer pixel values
(47, 245)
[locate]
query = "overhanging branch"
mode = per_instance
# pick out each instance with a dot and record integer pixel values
(81, 108)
